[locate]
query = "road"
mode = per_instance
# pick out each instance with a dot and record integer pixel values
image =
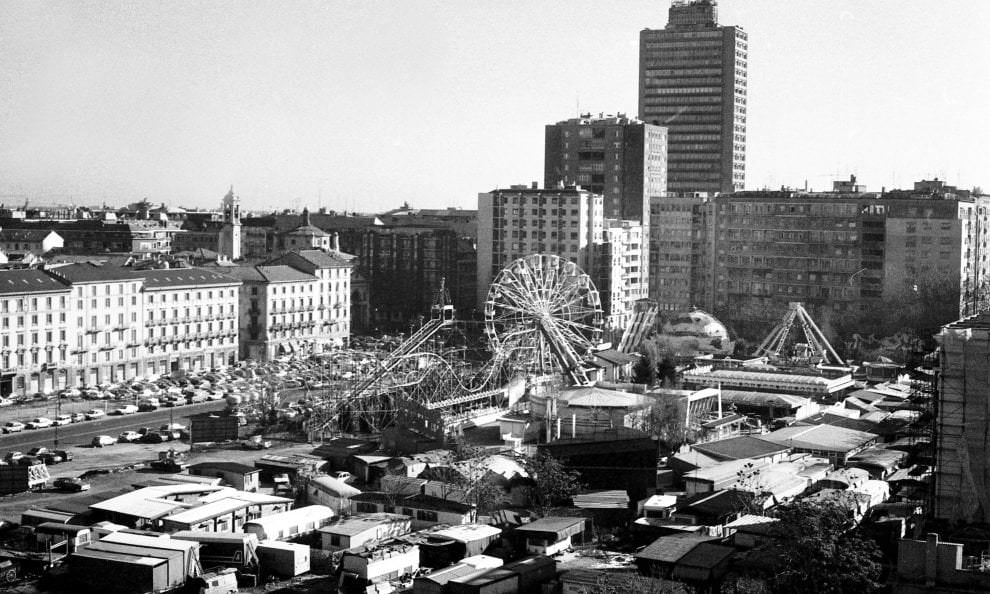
(82, 433)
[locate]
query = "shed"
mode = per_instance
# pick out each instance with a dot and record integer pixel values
(533, 571)
(705, 564)
(660, 556)
(485, 581)
(550, 535)
(61, 538)
(239, 476)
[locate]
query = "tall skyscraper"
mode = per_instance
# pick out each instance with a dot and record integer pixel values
(621, 158)
(692, 80)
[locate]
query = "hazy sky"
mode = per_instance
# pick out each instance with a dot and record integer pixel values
(363, 105)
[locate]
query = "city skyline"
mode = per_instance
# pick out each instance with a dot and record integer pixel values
(365, 107)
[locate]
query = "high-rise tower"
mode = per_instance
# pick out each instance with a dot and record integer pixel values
(692, 80)
(230, 234)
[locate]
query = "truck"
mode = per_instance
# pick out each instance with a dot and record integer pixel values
(170, 461)
(16, 478)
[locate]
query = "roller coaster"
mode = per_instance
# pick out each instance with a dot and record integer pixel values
(542, 315)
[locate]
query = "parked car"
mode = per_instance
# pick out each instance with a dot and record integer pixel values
(39, 423)
(65, 454)
(94, 414)
(78, 417)
(127, 409)
(129, 437)
(29, 461)
(343, 476)
(256, 443)
(7, 401)
(50, 458)
(13, 427)
(12, 457)
(102, 440)
(62, 420)
(71, 485)
(155, 437)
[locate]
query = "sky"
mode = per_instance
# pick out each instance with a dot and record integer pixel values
(361, 106)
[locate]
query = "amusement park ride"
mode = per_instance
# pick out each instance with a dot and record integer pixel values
(542, 316)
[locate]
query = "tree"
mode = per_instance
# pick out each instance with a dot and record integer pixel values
(645, 369)
(815, 552)
(553, 484)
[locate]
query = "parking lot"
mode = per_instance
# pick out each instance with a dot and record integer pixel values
(133, 411)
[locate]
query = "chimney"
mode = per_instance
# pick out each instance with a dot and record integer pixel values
(336, 242)
(535, 185)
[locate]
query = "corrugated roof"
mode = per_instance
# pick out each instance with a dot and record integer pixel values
(736, 448)
(670, 549)
(359, 523)
(554, 524)
(820, 437)
(28, 280)
(469, 532)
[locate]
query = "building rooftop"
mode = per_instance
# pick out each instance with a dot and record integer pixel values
(88, 272)
(28, 280)
(224, 465)
(670, 549)
(562, 526)
(25, 234)
(469, 532)
(820, 437)
(284, 274)
(735, 448)
(357, 524)
(706, 555)
(183, 277)
(322, 259)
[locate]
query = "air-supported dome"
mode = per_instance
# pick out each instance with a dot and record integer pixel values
(696, 332)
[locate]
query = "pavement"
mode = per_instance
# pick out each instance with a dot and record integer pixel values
(80, 434)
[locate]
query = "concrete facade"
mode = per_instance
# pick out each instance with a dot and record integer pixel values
(692, 79)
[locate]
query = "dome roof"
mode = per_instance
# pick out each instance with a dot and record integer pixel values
(695, 323)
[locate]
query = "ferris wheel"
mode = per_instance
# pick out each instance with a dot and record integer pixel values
(544, 311)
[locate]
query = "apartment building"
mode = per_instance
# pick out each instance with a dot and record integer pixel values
(621, 158)
(332, 271)
(35, 331)
(190, 319)
(289, 311)
(521, 220)
(678, 233)
(570, 223)
(620, 276)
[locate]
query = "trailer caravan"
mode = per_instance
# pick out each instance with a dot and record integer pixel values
(290, 524)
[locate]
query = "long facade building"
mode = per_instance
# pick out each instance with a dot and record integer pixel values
(692, 80)
(85, 324)
(746, 255)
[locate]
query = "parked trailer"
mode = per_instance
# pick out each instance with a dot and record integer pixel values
(190, 550)
(119, 573)
(284, 559)
(290, 524)
(15, 478)
(174, 574)
(229, 549)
